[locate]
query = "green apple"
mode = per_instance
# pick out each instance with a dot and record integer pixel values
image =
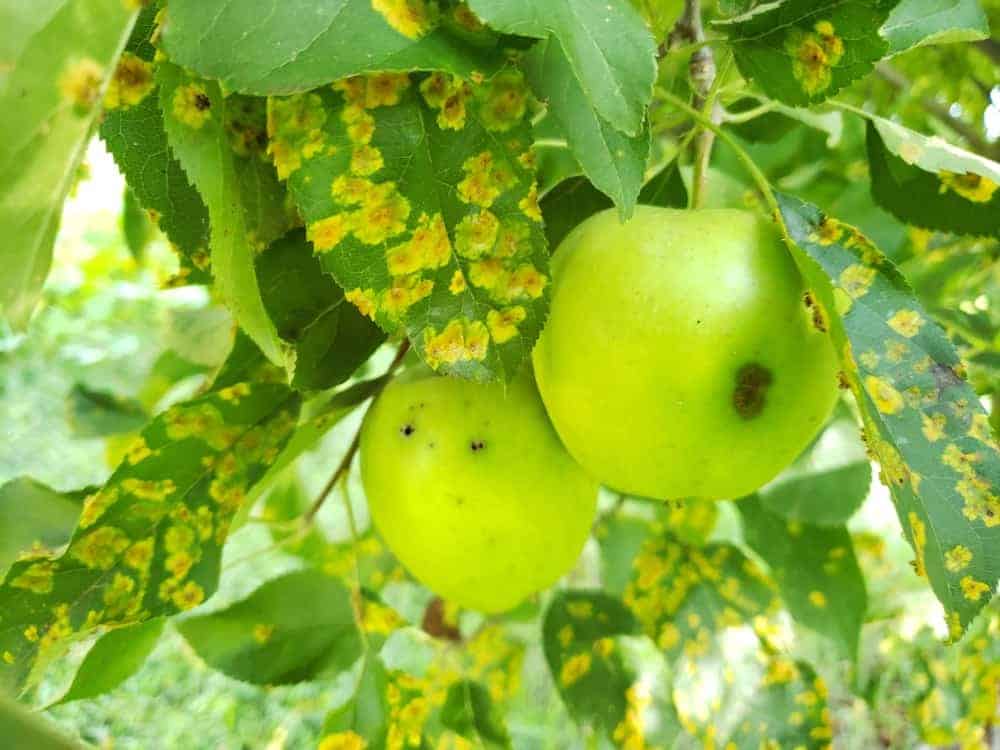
(683, 356)
(470, 487)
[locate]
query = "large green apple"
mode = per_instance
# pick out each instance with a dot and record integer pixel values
(682, 355)
(470, 487)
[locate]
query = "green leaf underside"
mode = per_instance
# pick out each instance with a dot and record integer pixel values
(929, 183)
(914, 23)
(923, 422)
(469, 711)
(304, 44)
(803, 51)
(419, 195)
(579, 635)
(114, 657)
(94, 413)
(815, 570)
(218, 143)
(149, 542)
(827, 484)
(366, 712)
(329, 337)
(63, 58)
(34, 516)
(605, 42)
(613, 161)
(288, 630)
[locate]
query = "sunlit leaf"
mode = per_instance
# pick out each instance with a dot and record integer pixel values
(914, 23)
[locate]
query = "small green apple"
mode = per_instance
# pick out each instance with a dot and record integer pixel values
(470, 487)
(682, 355)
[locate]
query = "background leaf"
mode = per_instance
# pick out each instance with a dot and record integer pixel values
(469, 712)
(913, 23)
(815, 570)
(930, 183)
(94, 413)
(114, 657)
(288, 630)
(419, 195)
(216, 141)
(25, 730)
(64, 56)
(922, 421)
(329, 337)
(34, 517)
(605, 43)
(804, 51)
(133, 132)
(304, 45)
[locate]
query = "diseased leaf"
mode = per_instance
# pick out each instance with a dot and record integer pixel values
(63, 57)
(914, 23)
(923, 422)
(95, 413)
(305, 44)
(710, 588)
(605, 43)
(419, 196)
(804, 51)
(788, 709)
(132, 129)
(218, 143)
(290, 629)
(329, 338)
(828, 483)
(469, 711)
(148, 543)
(815, 570)
(929, 183)
(114, 657)
(34, 518)
(613, 161)
(579, 635)
(364, 717)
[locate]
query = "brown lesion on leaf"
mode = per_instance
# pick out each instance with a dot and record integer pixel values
(749, 395)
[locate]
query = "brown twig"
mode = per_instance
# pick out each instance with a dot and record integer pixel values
(345, 463)
(689, 30)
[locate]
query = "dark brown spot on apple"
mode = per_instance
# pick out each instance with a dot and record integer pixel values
(477, 445)
(407, 429)
(749, 395)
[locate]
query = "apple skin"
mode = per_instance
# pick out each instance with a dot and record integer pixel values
(680, 358)
(471, 489)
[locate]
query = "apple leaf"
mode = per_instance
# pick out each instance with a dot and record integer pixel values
(292, 628)
(132, 130)
(34, 517)
(828, 483)
(114, 657)
(94, 413)
(914, 23)
(922, 421)
(579, 636)
(148, 543)
(304, 44)
(218, 143)
(804, 51)
(418, 193)
(328, 338)
(613, 161)
(605, 44)
(469, 711)
(56, 68)
(815, 570)
(929, 183)
(364, 717)
(27, 730)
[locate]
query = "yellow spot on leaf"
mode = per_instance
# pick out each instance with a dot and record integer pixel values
(574, 668)
(918, 533)
(461, 340)
(529, 204)
(294, 126)
(96, 504)
(382, 214)
(80, 83)
(504, 100)
(457, 284)
(366, 160)
(131, 82)
(262, 632)
(363, 299)
(36, 578)
(565, 635)
(817, 599)
(814, 54)
(476, 234)
(327, 233)
(933, 426)
(887, 399)
(411, 18)
(856, 279)
(503, 323)
(404, 292)
(192, 105)
(348, 740)
(906, 323)
(971, 186)
(100, 548)
(972, 589)
(957, 558)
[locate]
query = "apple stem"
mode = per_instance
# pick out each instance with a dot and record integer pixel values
(345, 463)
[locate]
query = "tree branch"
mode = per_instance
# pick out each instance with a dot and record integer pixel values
(345, 463)
(938, 111)
(702, 70)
